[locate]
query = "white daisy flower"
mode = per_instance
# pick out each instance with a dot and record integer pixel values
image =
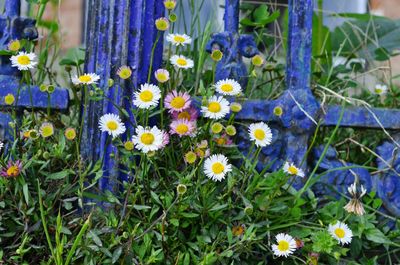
(260, 133)
(148, 96)
(181, 61)
(112, 124)
(216, 167)
(285, 245)
(291, 169)
(217, 108)
(228, 87)
(179, 39)
(380, 89)
(341, 232)
(148, 139)
(85, 79)
(23, 61)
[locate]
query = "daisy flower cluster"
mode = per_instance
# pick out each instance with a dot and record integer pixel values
(286, 245)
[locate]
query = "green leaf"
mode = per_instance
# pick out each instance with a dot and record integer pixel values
(190, 215)
(26, 193)
(141, 207)
(59, 175)
(74, 57)
(375, 235)
(95, 238)
(117, 253)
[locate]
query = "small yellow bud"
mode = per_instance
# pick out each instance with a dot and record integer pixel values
(43, 88)
(236, 107)
(129, 145)
(51, 89)
(14, 45)
(230, 130)
(170, 4)
(257, 60)
(70, 134)
(278, 111)
(217, 127)
(9, 99)
(190, 157)
(172, 17)
(216, 55)
(181, 189)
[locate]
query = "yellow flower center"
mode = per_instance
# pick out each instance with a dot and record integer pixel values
(339, 232)
(182, 128)
(47, 131)
(85, 78)
(13, 171)
(147, 138)
(181, 62)
(9, 99)
(161, 24)
(184, 115)
(146, 96)
(24, 60)
(227, 87)
(259, 134)
(378, 90)
(278, 111)
(257, 60)
(218, 168)
(216, 55)
(161, 77)
(283, 245)
(179, 39)
(112, 125)
(190, 157)
(178, 102)
(14, 45)
(214, 107)
(293, 170)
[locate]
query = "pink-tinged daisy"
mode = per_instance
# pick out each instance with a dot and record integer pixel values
(165, 139)
(161, 75)
(190, 114)
(13, 169)
(177, 101)
(182, 127)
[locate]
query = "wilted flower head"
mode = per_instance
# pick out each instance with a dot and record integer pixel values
(355, 205)
(13, 169)
(70, 134)
(162, 24)
(169, 4)
(124, 72)
(46, 130)
(14, 45)
(161, 75)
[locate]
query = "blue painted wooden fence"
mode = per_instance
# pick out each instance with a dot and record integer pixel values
(122, 32)
(14, 27)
